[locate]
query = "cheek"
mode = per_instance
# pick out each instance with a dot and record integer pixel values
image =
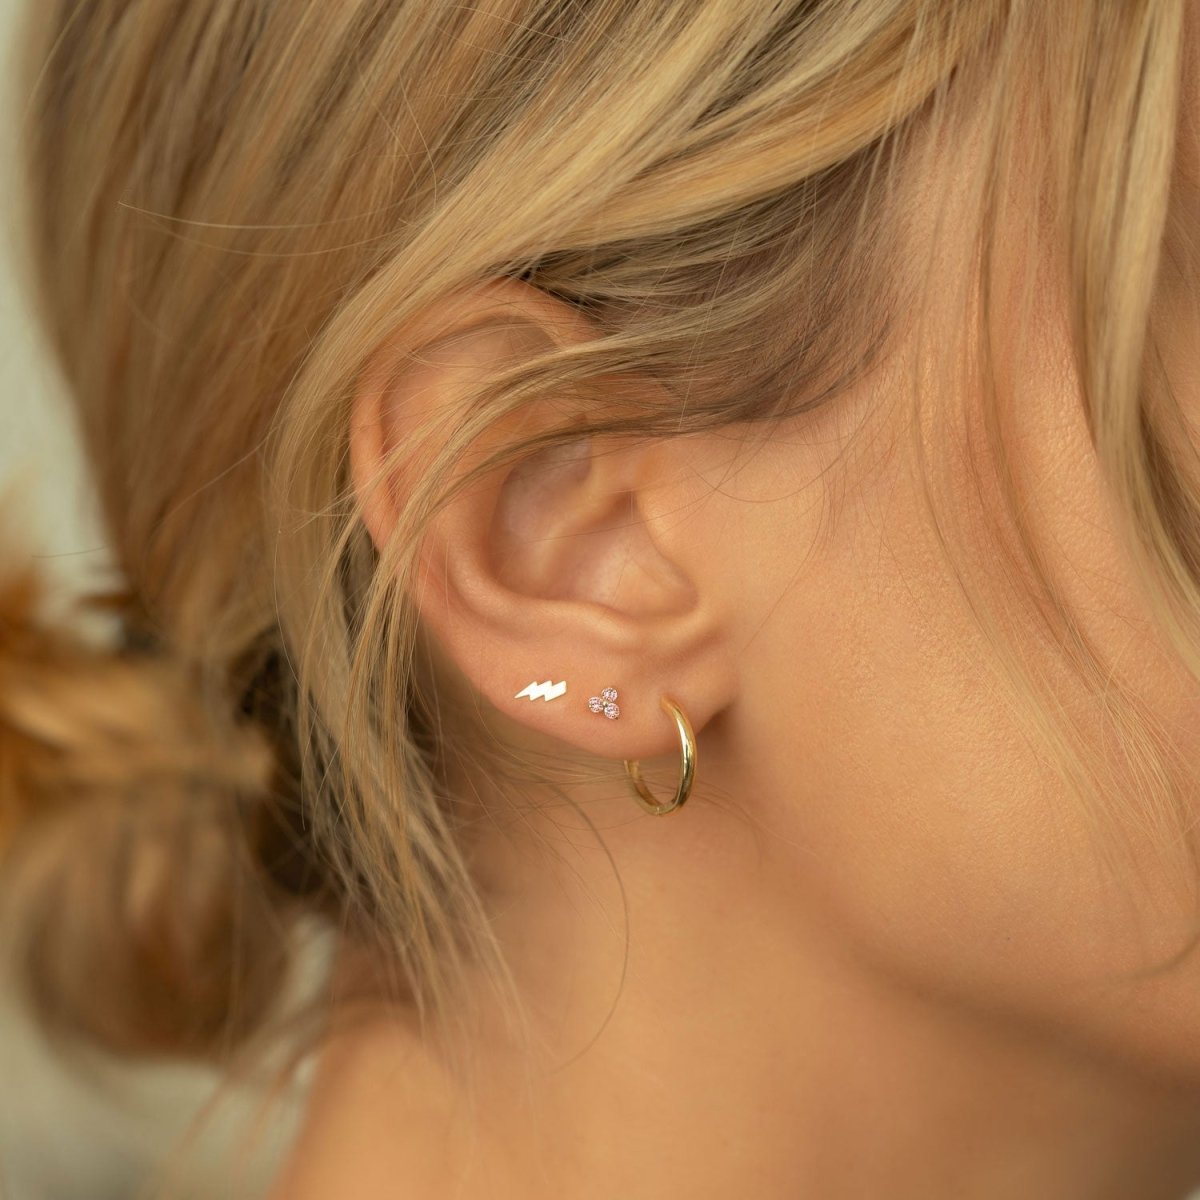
(917, 813)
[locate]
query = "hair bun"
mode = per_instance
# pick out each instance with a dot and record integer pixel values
(133, 911)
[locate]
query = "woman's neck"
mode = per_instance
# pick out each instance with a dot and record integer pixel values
(734, 1053)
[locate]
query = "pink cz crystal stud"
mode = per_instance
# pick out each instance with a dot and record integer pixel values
(605, 703)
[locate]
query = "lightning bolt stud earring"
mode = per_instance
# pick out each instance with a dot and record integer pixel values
(547, 690)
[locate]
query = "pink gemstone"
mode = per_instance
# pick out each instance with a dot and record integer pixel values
(611, 710)
(595, 704)
(609, 694)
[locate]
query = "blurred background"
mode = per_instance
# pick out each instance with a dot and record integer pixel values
(86, 1130)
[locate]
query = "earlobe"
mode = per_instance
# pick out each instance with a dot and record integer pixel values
(546, 572)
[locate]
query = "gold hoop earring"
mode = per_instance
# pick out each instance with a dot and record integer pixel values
(687, 766)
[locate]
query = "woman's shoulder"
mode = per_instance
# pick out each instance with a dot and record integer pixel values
(379, 1121)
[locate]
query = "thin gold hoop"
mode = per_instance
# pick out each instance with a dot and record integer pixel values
(687, 771)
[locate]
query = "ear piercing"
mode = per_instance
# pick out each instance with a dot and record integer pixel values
(547, 690)
(687, 765)
(605, 703)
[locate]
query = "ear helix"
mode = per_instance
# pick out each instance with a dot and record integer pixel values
(605, 704)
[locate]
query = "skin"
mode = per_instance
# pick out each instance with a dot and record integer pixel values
(877, 953)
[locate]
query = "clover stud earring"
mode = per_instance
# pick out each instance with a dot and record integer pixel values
(605, 703)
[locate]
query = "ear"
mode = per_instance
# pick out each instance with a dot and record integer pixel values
(584, 565)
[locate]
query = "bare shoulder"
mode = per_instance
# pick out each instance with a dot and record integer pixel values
(379, 1122)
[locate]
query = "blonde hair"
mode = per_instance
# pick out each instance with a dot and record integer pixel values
(234, 203)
